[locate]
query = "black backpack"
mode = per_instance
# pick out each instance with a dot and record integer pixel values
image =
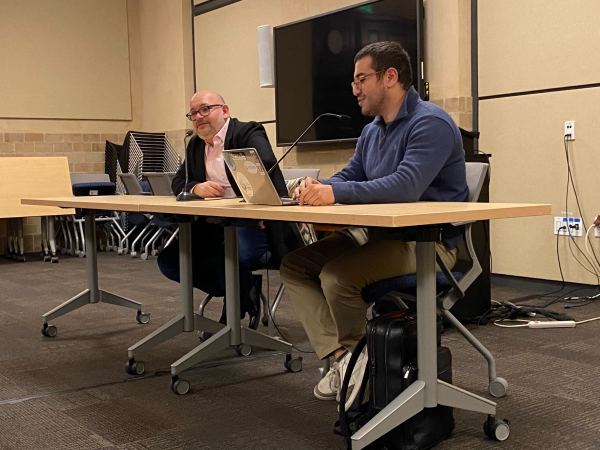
(391, 344)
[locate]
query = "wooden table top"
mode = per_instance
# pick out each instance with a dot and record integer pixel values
(374, 215)
(33, 177)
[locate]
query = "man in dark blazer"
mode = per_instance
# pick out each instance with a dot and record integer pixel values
(259, 244)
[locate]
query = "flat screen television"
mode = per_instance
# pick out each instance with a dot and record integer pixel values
(314, 65)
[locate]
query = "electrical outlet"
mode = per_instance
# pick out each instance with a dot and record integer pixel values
(568, 226)
(569, 131)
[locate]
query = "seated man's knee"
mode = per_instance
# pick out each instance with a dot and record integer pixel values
(287, 267)
(335, 280)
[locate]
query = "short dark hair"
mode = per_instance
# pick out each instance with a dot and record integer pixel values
(386, 54)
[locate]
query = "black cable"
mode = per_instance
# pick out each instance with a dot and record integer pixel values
(577, 201)
(570, 182)
(272, 319)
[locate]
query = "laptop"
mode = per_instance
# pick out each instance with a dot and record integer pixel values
(252, 178)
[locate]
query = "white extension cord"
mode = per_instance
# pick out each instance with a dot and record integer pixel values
(551, 324)
(542, 323)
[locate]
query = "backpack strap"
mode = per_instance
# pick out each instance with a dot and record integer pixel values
(344, 420)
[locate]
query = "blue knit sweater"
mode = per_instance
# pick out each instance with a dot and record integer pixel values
(418, 156)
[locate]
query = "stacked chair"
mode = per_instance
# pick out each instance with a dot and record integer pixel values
(142, 154)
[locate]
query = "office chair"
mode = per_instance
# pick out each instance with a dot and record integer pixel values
(160, 182)
(71, 227)
(154, 226)
(451, 285)
(292, 178)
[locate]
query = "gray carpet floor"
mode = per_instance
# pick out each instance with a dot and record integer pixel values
(72, 391)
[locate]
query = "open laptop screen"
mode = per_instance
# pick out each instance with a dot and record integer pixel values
(252, 178)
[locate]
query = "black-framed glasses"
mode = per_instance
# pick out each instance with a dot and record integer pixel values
(203, 111)
(359, 81)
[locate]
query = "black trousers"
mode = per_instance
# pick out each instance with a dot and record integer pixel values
(208, 260)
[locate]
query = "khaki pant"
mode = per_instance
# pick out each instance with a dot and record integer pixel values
(324, 281)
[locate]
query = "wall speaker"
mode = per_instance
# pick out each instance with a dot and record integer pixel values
(266, 70)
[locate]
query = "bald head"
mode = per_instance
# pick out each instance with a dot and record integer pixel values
(209, 114)
(209, 95)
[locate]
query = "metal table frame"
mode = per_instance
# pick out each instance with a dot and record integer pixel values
(225, 336)
(427, 391)
(92, 294)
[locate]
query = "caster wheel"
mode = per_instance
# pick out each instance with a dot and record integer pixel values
(49, 330)
(47, 258)
(498, 430)
(142, 318)
(144, 256)
(293, 364)
(133, 254)
(498, 387)
(54, 260)
(244, 350)
(180, 386)
(204, 335)
(133, 367)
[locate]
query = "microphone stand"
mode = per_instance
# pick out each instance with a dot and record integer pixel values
(337, 116)
(184, 195)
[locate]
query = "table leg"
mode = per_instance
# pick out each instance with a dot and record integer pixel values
(92, 294)
(427, 391)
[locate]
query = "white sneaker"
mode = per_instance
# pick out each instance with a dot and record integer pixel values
(355, 379)
(323, 390)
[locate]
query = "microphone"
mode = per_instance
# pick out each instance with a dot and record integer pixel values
(337, 116)
(184, 195)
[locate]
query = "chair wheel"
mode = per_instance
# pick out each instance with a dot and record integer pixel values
(54, 259)
(142, 318)
(179, 385)
(244, 350)
(204, 335)
(133, 367)
(144, 256)
(498, 430)
(293, 364)
(49, 330)
(498, 387)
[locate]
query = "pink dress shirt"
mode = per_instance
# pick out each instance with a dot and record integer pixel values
(214, 164)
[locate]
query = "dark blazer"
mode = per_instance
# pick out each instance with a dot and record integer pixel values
(283, 236)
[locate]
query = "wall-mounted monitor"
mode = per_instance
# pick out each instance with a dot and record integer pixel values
(314, 65)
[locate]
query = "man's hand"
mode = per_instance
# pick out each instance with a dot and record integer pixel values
(302, 186)
(208, 189)
(316, 194)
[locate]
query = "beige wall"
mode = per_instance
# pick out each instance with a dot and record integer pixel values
(538, 49)
(230, 65)
(159, 65)
(64, 59)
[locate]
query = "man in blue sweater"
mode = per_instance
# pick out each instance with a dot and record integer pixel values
(411, 151)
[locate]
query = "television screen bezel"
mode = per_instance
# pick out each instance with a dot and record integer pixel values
(419, 76)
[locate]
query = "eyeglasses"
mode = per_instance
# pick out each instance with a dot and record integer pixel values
(359, 81)
(203, 111)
